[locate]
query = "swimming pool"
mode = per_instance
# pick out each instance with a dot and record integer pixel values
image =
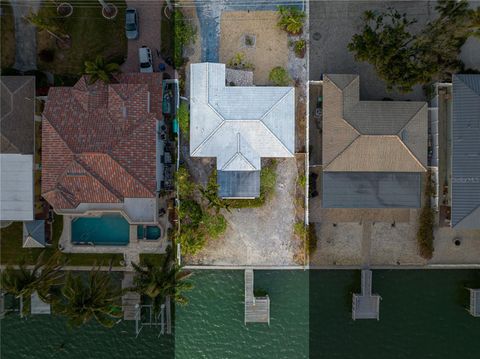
(149, 232)
(108, 230)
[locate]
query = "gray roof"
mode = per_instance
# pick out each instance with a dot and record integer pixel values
(466, 152)
(238, 125)
(34, 234)
(17, 114)
(371, 189)
(238, 184)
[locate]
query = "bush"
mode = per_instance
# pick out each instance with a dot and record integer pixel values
(238, 62)
(191, 240)
(311, 239)
(184, 118)
(47, 55)
(184, 34)
(291, 19)
(215, 225)
(300, 47)
(426, 222)
(184, 185)
(190, 212)
(279, 76)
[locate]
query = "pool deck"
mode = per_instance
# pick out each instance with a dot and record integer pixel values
(131, 251)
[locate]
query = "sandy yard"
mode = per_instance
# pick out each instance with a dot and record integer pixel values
(271, 46)
(259, 236)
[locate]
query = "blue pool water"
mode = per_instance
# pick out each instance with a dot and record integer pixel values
(108, 230)
(149, 232)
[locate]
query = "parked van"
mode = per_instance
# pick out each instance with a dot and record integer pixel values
(145, 59)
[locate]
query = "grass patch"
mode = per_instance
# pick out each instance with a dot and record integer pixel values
(426, 222)
(184, 119)
(268, 179)
(91, 35)
(153, 258)
(166, 31)
(12, 251)
(7, 36)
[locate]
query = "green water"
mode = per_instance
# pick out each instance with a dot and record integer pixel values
(422, 315)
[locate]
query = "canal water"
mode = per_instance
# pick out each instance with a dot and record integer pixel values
(422, 315)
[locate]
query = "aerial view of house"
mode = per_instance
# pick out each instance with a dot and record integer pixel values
(239, 179)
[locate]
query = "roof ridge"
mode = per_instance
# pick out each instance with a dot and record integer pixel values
(411, 118)
(325, 168)
(215, 130)
(275, 104)
(285, 147)
(411, 153)
(96, 176)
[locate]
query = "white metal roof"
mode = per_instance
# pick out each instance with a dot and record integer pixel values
(16, 187)
(238, 125)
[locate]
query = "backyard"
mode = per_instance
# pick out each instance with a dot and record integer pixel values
(12, 251)
(91, 35)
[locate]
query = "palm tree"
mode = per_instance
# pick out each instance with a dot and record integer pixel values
(43, 24)
(42, 278)
(161, 281)
(210, 193)
(291, 19)
(94, 298)
(100, 70)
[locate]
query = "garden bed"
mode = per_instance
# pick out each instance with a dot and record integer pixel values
(7, 36)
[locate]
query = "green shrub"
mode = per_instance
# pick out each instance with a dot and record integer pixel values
(184, 185)
(311, 239)
(426, 222)
(300, 229)
(183, 35)
(238, 62)
(291, 19)
(302, 181)
(215, 225)
(190, 212)
(300, 47)
(279, 76)
(184, 118)
(191, 240)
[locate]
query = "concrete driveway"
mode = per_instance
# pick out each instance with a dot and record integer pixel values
(149, 17)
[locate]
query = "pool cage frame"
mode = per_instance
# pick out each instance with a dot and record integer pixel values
(160, 320)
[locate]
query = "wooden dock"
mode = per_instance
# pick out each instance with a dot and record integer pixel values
(257, 309)
(474, 302)
(366, 305)
(130, 299)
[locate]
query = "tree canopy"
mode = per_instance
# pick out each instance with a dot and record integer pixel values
(403, 58)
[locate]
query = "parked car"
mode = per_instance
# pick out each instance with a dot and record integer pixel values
(145, 59)
(131, 23)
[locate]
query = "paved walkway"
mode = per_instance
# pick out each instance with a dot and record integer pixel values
(25, 36)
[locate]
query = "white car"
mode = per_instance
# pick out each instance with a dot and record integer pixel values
(145, 59)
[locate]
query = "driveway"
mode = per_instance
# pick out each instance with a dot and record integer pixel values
(25, 35)
(149, 17)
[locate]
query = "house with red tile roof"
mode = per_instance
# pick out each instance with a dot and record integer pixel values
(99, 147)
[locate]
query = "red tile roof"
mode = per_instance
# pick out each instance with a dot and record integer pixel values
(99, 141)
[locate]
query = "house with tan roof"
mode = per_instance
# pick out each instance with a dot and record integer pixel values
(239, 126)
(99, 147)
(374, 152)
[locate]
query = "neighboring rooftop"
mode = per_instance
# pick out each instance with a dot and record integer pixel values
(466, 152)
(99, 141)
(373, 151)
(17, 112)
(239, 126)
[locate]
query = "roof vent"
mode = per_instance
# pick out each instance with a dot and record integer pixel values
(404, 135)
(124, 111)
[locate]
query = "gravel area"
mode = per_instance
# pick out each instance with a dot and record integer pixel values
(446, 252)
(259, 236)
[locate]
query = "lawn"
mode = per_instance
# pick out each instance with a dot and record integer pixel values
(7, 37)
(91, 35)
(12, 251)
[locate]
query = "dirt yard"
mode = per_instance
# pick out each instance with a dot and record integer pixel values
(260, 236)
(271, 43)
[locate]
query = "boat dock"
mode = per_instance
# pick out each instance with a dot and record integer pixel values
(366, 305)
(130, 299)
(257, 309)
(474, 302)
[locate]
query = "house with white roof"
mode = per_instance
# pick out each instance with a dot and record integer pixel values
(239, 126)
